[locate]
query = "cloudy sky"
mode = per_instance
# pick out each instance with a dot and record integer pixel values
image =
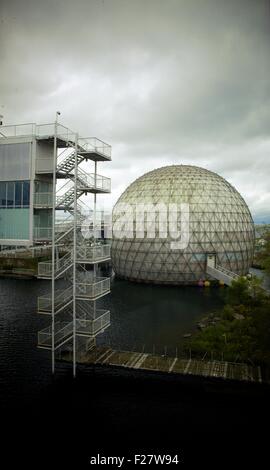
(163, 81)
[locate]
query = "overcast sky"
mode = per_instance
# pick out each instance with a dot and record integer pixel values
(163, 81)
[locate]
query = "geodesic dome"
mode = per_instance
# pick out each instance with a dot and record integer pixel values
(219, 222)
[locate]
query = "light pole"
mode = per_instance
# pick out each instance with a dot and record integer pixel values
(53, 235)
(75, 253)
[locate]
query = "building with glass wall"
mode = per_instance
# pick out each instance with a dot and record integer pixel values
(20, 180)
(29, 154)
(26, 166)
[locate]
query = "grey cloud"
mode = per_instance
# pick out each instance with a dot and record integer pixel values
(165, 82)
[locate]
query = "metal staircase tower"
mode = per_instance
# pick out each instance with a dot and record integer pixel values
(74, 309)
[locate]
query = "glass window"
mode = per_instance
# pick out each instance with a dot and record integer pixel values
(26, 193)
(14, 194)
(18, 194)
(3, 195)
(10, 194)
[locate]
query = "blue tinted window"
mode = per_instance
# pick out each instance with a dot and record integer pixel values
(26, 193)
(10, 194)
(18, 194)
(14, 194)
(3, 195)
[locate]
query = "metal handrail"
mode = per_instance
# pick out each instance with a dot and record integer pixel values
(26, 252)
(93, 253)
(13, 130)
(62, 331)
(93, 289)
(90, 180)
(227, 271)
(92, 327)
(62, 297)
(86, 181)
(86, 144)
(45, 267)
(36, 129)
(43, 199)
(68, 183)
(89, 144)
(65, 133)
(42, 233)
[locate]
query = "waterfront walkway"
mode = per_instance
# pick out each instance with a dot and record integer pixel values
(171, 365)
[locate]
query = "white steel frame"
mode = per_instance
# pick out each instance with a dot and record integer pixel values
(54, 269)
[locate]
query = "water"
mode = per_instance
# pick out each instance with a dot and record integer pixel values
(261, 275)
(142, 316)
(102, 410)
(147, 316)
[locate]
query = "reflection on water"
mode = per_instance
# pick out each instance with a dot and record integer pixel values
(108, 402)
(141, 316)
(147, 316)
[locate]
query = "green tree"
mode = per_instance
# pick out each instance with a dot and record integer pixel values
(238, 292)
(264, 255)
(243, 331)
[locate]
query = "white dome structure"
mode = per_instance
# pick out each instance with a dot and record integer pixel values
(219, 223)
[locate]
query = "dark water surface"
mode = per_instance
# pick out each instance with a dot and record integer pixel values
(147, 316)
(112, 411)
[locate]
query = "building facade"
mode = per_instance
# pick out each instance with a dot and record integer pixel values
(26, 163)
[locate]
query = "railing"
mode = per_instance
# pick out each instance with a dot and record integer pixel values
(45, 233)
(17, 130)
(63, 160)
(94, 289)
(63, 132)
(93, 253)
(93, 327)
(92, 144)
(42, 233)
(221, 274)
(43, 199)
(67, 160)
(68, 196)
(64, 226)
(64, 190)
(63, 330)
(62, 298)
(226, 271)
(84, 309)
(31, 252)
(85, 181)
(45, 267)
(39, 130)
(62, 230)
(103, 183)
(88, 180)
(17, 253)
